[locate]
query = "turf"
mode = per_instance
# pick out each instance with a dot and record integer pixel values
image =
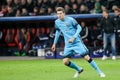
(53, 69)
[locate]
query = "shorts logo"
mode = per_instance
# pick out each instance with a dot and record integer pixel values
(67, 24)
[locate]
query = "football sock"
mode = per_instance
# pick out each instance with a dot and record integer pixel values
(74, 66)
(94, 65)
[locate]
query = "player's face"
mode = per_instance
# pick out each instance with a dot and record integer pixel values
(60, 15)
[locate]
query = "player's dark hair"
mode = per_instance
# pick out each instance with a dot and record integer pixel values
(60, 9)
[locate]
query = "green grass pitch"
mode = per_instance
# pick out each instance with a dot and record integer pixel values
(53, 69)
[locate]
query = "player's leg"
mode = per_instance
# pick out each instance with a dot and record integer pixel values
(70, 64)
(68, 53)
(94, 65)
(82, 50)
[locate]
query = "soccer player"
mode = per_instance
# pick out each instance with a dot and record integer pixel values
(73, 43)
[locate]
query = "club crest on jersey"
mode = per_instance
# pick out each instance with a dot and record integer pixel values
(67, 24)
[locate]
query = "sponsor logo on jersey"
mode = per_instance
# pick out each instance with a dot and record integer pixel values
(67, 24)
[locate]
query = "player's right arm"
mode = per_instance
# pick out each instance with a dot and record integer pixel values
(57, 35)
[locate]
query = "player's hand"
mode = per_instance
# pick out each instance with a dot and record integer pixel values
(53, 47)
(71, 39)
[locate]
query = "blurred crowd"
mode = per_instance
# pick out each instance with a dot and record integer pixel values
(10, 8)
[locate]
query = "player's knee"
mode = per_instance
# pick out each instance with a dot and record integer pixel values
(66, 62)
(87, 57)
(90, 60)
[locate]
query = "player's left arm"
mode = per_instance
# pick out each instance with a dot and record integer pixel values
(78, 30)
(78, 27)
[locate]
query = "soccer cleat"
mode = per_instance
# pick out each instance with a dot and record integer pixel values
(78, 73)
(104, 57)
(113, 58)
(102, 75)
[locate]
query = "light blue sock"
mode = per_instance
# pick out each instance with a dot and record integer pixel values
(74, 66)
(94, 65)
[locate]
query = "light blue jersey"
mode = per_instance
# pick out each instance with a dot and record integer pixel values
(70, 28)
